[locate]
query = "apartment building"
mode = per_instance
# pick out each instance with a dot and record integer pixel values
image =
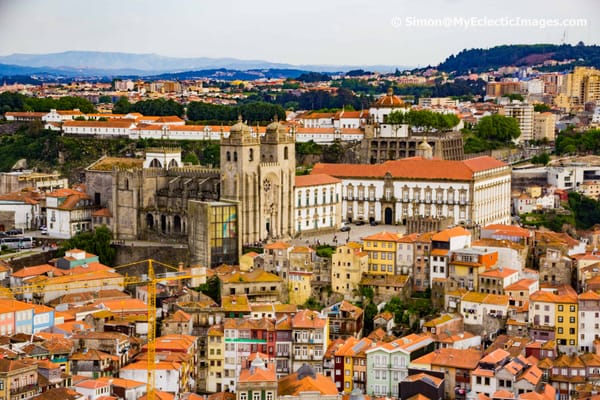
(310, 336)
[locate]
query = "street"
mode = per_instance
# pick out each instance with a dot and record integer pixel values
(356, 233)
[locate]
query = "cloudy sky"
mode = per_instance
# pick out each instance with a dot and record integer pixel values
(359, 32)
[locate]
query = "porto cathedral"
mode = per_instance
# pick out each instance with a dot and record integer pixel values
(247, 200)
(258, 173)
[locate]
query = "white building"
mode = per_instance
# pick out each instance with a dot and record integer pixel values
(442, 244)
(93, 389)
(314, 119)
(475, 190)
(570, 177)
(167, 374)
(535, 86)
(589, 320)
(318, 203)
(25, 209)
(474, 306)
(385, 105)
(62, 115)
(68, 212)
(523, 113)
(121, 127)
(350, 119)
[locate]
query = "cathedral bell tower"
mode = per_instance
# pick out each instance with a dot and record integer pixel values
(240, 159)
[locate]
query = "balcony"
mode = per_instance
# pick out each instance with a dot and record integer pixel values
(23, 389)
(283, 354)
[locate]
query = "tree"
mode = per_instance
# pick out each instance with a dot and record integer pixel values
(541, 107)
(160, 107)
(543, 159)
(312, 304)
(370, 313)
(97, 242)
(210, 153)
(498, 128)
(514, 96)
(122, 106)
(311, 77)
(212, 288)
(104, 99)
(191, 158)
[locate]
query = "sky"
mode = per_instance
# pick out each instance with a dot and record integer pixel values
(412, 33)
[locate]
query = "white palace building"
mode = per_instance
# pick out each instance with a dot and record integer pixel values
(472, 191)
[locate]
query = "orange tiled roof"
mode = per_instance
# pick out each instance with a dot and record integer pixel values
(413, 168)
(384, 237)
(112, 123)
(26, 197)
(589, 295)
(37, 270)
(447, 357)
(522, 284)
(495, 356)
(258, 374)
(92, 384)
(508, 230)
(315, 180)
(278, 246)
(293, 385)
(447, 234)
(498, 273)
(308, 319)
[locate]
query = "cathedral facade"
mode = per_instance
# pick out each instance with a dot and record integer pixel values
(258, 173)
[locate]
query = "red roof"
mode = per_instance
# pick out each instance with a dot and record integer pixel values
(413, 168)
(315, 180)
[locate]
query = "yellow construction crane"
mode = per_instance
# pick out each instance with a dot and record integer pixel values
(151, 280)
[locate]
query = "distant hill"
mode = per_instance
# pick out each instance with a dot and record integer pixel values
(93, 63)
(479, 60)
(232, 74)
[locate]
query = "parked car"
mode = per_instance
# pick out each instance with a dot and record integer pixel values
(44, 230)
(13, 232)
(359, 222)
(345, 228)
(373, 223)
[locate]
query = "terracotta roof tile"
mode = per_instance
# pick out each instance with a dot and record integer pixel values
(413, 168)
(315, 180)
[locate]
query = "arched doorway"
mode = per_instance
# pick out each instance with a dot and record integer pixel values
(389, 215)
(163, 223)
(150, 221)
(177, 224)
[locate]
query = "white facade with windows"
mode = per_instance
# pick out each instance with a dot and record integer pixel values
(476, 190)
(318, 203)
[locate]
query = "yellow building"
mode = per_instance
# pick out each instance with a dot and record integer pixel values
(299, 288)
(355, 364)
(247, 261)
(18, 380)
(216, 352)
(348, 263)
(544, 126)
(381, 249)
(582, 86)
(566, 319)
